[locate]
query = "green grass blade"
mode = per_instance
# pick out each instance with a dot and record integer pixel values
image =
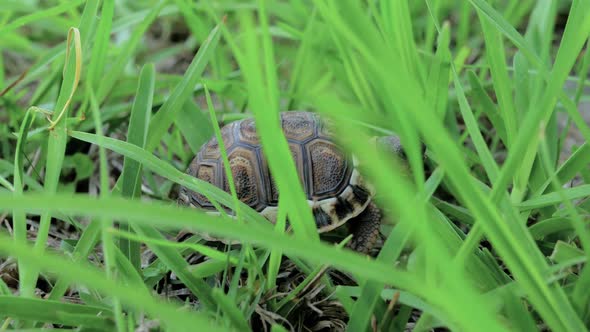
(108, 246)
(101, 44)
(364, 306)
(553, 198)
(231, 310)
(200, 248)
(194, 126)
(19, 221)
(85, 244)
(107, 82)
(494, 17)
(137, 135)
(438, 77)
(39, 15)
(488, 106)
(173, 105)
(226, 164)
(177, 264)
(264, 101)
(502, 82)
(56, 312)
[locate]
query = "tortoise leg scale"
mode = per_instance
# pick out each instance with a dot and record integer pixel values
(365, 229)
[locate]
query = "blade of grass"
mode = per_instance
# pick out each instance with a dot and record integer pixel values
(137, 135)
(108, 246)
(553, 198)
(583, 74)
(550, 226)
(229, 307)
(101, 43)
(484, 8)
(40, 15)
(261, 79)
(579, 298)
(495, 56)
(488, 106)
(19, 220)
(540, 36)
(85, 244)
(173, 105)
(439, 73)
(202, 249)
(274, 261)
(56, 312)
(194, 126)
(107, 82)
(226, 164)
(177, 264)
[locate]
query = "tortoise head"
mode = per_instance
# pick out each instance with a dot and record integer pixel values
(392, 145)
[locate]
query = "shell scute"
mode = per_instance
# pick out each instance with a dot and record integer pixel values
(211, 149)
(247, 129)
(330, 168)
(299, 126)
(208, 173)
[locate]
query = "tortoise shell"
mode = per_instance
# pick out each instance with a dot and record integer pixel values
(335, 190)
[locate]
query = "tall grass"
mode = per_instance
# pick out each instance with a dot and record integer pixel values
(484, 234)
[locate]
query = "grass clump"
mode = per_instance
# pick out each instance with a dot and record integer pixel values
(103, 105)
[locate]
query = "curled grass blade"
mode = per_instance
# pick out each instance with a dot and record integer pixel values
(57, 140)
(77, 43)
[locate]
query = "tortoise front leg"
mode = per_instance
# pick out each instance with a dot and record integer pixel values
(365, 229)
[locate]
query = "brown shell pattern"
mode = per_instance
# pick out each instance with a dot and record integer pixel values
(333, 187)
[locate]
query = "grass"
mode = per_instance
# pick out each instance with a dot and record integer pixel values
(103, 105)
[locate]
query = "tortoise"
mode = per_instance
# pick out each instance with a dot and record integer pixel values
(335, 189)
